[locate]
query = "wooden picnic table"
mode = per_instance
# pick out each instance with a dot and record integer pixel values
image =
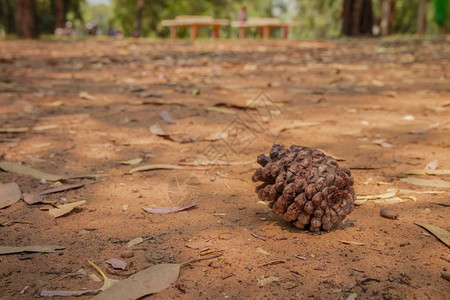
(264, 25)
(194, 22)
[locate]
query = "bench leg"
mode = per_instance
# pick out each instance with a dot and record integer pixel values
(173, 32)
(242, 32)
(286, 32)
(194, 32)
(266, 31)
(260, 32)
(216, 31)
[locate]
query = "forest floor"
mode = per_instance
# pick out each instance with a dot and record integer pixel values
(82, 107)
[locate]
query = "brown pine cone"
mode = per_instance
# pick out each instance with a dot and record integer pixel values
(308, 188)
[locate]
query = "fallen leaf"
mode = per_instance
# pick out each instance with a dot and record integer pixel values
(268, 280)
(424, 130)
(157, 130)
(335, 157)
(39, 248)
(292, 125)
(135, 241)
(383, 143)
(45, 127)
(168, 210)
(54, 103)
(14, 130)
(62, 188)
(438, 232)
(432, 165)
(148, 281)
(31, 198)
(9, 194)
(157, 102)
(167, 118)
(16, 168)
(222, 110)
(426, 182)
(117, 263)
(87, 96)
(150, 95)
(131, 162)
(156, 167)
(49, 293)
(381, 196)
(393, 200)
(65, 209)
(352, 243)
(261, 250)
(428, 172)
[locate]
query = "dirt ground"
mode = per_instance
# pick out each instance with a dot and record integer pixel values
(381, 106)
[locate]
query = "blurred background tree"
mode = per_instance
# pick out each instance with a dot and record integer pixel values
(317, 19)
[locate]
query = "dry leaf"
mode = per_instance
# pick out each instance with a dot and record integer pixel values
(166, 117)
(381, 196)
(150, 95)
(148, 281)
(261, 250)
(14, 130)
(168, 210)
(427, 182)
(16, 168)
(438, 232)
(87, 96)
(62, 188)
(393, 200)
(424, 130)
(268, 280)
(157, 130)
(383, 143)
(54, 103)
(31, 198)
(45, 127)
(432, 165)
(131, 162)
(156, 167)
(389, 214)
(292, 125)
(39, 248)
(428, 172)
(9, 194)
(352, 243)
(157, 102)
(65, 209)
(117, 263)
(333, 156)
(135, 241)
(222, 110)
(49, 293)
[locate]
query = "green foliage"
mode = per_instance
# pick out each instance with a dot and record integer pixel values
(157, 10)
(7, 20)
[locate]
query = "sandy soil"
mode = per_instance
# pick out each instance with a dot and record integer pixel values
(90, 104)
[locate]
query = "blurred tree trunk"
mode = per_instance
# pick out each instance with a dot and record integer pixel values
(422, 18)
(26, 19)
(61, 7)
(387, 16)
(140, 8)
(357, 17)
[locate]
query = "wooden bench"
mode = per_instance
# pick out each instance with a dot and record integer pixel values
(263, 25)
(194, 22)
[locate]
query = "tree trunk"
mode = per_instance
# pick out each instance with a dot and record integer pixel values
(387, 16)
(422, 18)
(26, 18)
(140, 8)
(61, 7)
(357, 17)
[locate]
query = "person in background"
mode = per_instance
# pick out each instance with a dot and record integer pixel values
(242, 15)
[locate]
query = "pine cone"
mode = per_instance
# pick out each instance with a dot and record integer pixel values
(309, 189)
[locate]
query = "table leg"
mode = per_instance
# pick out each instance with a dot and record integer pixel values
(194, 32)
(260, 32)
(242, 32)
(266, 33)
(216, 31)
(286, 32)
(173, 32)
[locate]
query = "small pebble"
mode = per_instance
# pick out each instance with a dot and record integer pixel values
(127, 253)
(387, 213)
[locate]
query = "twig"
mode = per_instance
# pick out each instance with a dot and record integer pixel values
(258, 236)
(199, 259)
